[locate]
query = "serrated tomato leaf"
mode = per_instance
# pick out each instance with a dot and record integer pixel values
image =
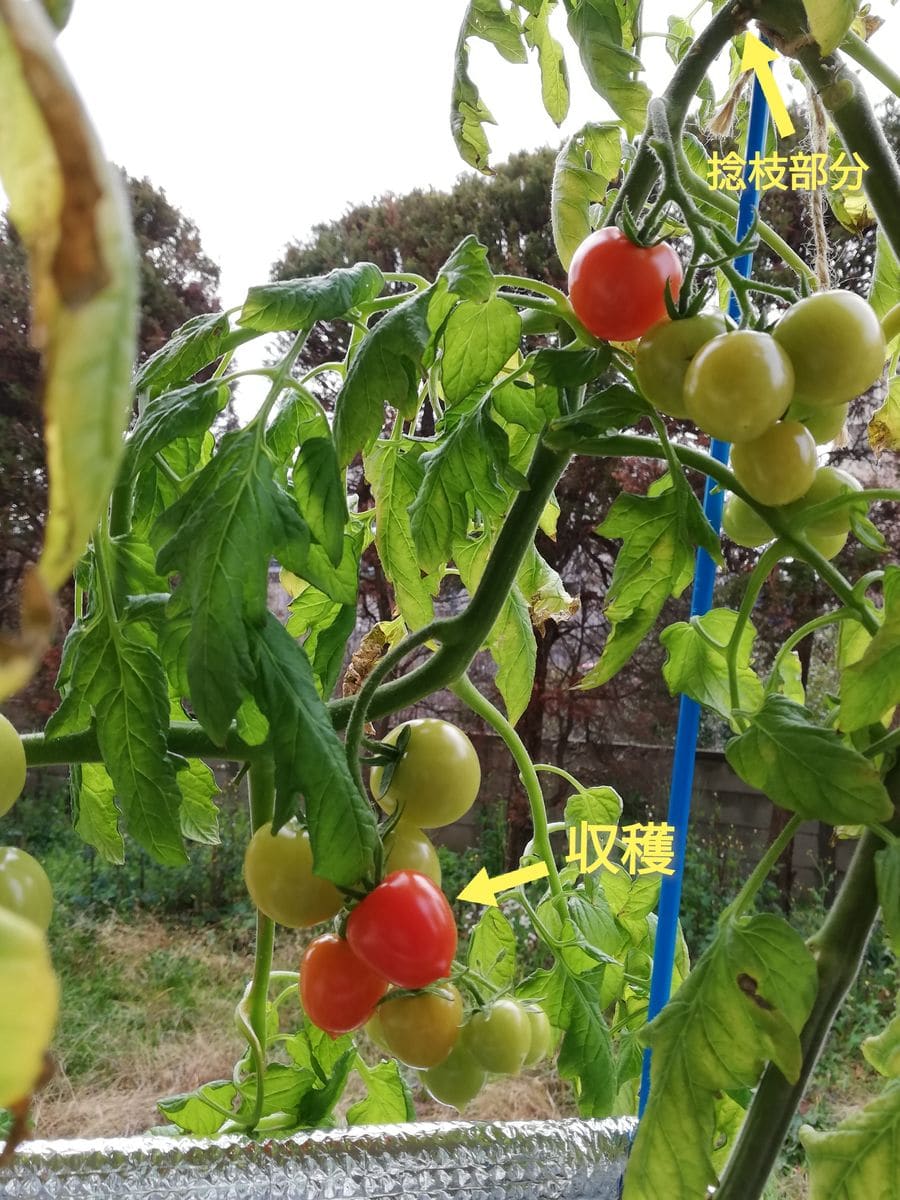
(806, 768)
(310, 759)
(870, 687)
(696, 666)
(860, 1158)
(298, 303)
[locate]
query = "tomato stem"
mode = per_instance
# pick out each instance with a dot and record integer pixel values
(767, 562)
(482, 707)
(832, 618)
(760, 873)
(262, 808)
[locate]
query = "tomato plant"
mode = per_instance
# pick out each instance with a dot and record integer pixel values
(437, 779)
(337, 990)
(664, 354)
(405, 930)
(738, 385)
(618, 289)
(836, 347)
(779, 466)
(24, 887)
(421, 1030)
(12, 756)
(278, 871)
(438, 462)
(499, 1038)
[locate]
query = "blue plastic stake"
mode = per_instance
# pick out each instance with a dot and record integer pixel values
(701, 599)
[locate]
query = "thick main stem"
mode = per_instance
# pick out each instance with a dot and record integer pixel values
(262, 808)
(838, 947)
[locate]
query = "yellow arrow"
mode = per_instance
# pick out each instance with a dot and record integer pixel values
(483, 890)
(758, 57)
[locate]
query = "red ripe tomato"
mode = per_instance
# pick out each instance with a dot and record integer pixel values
(618, 289)
(337, 991)
(404, 930)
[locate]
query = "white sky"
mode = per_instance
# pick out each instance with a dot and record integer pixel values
(260, 119)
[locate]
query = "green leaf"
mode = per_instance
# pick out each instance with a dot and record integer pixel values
(467, 272)
(187, 411)
(319, 489)
(871, 686)
(585, 1056)
(388, 1098)
(298, 303)
(744, 1004)
(586, 165)
(511, 641)
(861, 1157)
(699, 669)
(119, 679)
(195, 345)
(570, 368)
(317, 1104)
(887, 875)
(883, 1050)
(554, 75)
(299, 419)
(607, 411)
(191, 1112)
(595, 806)
(656, 561)
(460, 477)
(199, 815)
(313, 564)
(597, 30)
(885, 277)
(884, 427)
(220, 536)
(395, 475)
(284, 1089)
(316, 1050)
(310, 759)
(807, 769)
(96, 818)
(478, 341)
(384, 371)
(492, 949)
(829, 21)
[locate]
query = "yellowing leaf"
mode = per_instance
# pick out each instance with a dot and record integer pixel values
(68, 206)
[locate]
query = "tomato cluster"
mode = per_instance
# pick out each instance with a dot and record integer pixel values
(775, 396)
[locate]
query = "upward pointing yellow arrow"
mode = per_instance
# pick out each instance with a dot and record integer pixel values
(758, 57)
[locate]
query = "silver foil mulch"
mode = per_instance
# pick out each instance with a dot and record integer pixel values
(514, 1160)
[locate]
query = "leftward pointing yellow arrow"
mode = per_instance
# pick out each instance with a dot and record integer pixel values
(758, 57)
(483, 889)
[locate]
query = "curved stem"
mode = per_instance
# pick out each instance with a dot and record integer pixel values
(463, 635)
(469, 694)
(187, 738)
(678, 97)
(758, 576)
(550, 769)
(854, 47)
(842, 614)
(745, 897)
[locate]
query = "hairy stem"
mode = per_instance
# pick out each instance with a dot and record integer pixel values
(187, 738)
(262, 807)
(838, 947)
(462, 636)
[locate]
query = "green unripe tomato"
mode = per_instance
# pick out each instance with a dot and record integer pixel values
(458, 1079)
(499, 1037)
(825, 424)
(12, 765)
(828, 545)
(541, 1035)
(779, 466)
(738, 385)
(29, 1004)
(836, 345)
(408, 849)
(375, 1032)
(24, 887)
(436, 780)
(421, 1030)
(828, 483)
(744, 525)
(278, 872)
(664, 355)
